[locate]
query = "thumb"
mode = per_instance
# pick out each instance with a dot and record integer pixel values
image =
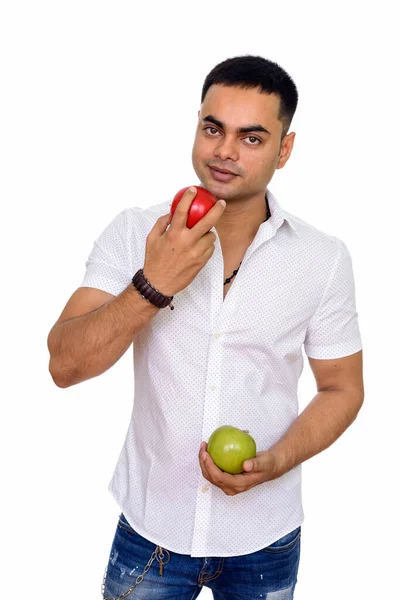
(250, 465)
(254, 464)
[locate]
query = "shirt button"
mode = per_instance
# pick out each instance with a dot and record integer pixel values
(213, 387)
(217, 336)
(205, 488)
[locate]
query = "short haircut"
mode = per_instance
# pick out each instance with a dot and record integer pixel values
(249, 72)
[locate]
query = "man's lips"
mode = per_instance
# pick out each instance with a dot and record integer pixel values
(222, 170)
(222, 177)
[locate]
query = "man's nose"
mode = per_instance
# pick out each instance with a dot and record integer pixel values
(227, 149)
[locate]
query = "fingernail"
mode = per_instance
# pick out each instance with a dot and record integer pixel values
(192, 189)
(223, 203)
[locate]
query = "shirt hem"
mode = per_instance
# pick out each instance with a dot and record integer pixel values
(332, 352)
(160, 542)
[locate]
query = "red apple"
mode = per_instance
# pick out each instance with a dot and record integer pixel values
(201, 204)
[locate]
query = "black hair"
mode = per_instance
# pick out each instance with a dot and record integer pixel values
(249, 72)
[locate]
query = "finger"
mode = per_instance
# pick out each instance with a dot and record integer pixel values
(259, 463)
(209, 220)
(218, 476)
(207, 463)
(204, 471)
(201, 450)
(180, 216)
(161, 224)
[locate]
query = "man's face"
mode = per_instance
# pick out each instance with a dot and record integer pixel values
(252, 155)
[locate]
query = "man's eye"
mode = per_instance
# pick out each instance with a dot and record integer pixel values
(213, 128)
(250, 137)
(253, 140)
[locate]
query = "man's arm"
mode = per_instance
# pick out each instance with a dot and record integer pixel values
(335, 406)
(94, 330)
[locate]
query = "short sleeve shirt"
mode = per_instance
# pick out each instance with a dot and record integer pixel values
(215, 361)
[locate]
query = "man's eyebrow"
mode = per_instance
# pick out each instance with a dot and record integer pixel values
(248, 129)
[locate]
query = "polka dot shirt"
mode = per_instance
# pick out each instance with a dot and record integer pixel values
(214, 361)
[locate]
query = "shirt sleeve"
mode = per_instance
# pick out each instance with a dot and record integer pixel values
(333, 331)
(108, 267)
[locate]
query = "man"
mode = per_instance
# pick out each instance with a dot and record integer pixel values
(251, 285)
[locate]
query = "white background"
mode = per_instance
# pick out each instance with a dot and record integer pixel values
(99, 106)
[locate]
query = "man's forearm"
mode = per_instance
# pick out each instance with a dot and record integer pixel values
(86, 346)
(321, 423)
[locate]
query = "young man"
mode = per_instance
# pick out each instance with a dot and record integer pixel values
(251, 286)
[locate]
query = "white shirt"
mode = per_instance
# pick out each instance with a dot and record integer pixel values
(213, 362)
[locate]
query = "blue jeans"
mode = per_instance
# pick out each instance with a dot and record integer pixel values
(270, 573)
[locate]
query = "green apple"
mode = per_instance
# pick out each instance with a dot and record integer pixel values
(229, 447)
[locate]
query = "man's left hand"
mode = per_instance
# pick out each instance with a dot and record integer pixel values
(256, 470)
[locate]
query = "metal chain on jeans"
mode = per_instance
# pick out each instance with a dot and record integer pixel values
(139, 578)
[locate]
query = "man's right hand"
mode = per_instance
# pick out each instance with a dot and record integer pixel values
(175, 255)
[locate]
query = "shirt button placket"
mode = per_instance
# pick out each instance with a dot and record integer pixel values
(211, 415)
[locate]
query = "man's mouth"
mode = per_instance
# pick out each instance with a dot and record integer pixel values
(222, 176)
(222, 170)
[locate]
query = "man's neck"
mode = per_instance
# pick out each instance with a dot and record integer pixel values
(239, 223)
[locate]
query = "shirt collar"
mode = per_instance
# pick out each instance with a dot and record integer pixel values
(268, 228)
(278, 216)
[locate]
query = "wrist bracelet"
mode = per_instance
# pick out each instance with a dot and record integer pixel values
(150, 293)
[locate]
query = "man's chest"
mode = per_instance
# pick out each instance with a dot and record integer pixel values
(267, 304)
(229, 269)
(232, 261)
